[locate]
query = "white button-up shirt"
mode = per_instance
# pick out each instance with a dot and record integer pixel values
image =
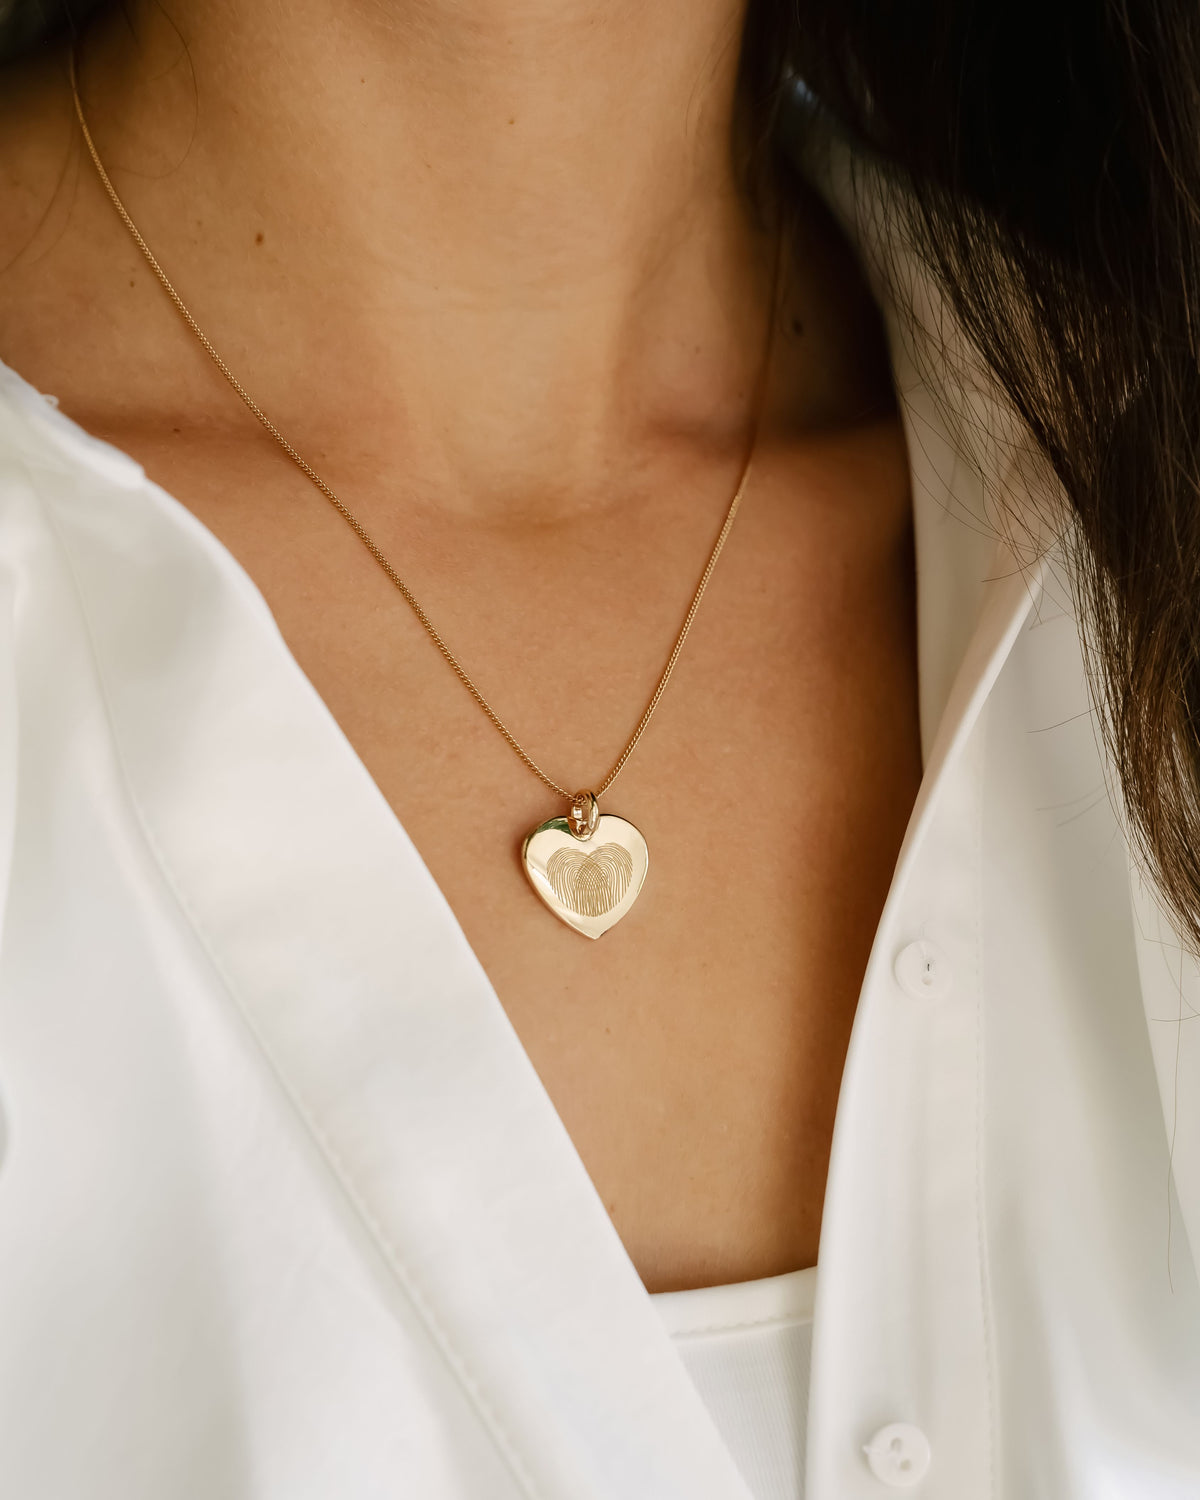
(285, 1212)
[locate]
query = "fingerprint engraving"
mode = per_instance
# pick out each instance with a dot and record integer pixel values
(590, 884)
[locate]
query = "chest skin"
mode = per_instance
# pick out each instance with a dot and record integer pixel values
(694, 1053)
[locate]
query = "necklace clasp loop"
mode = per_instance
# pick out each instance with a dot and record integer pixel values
(583, 815)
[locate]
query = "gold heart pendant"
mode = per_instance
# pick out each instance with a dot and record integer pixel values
(588, 867)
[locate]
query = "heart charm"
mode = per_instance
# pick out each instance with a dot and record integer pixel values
(589, 880)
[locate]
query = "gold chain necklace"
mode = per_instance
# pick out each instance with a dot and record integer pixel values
(588, 867)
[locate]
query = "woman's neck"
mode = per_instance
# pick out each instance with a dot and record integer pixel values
(508, 231)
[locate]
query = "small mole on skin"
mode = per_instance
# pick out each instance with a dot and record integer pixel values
(132, 283)
(797, 326)
(513, 121)
(258, 238)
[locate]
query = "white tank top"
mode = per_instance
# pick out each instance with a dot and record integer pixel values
(746, 1347)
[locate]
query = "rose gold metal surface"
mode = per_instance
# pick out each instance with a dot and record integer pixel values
(590, 883)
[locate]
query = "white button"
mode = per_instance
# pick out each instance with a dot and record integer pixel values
(899, 1454)
(922, 970)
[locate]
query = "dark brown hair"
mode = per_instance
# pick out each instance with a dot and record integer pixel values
(1051, 156)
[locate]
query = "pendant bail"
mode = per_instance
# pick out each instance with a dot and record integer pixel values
(583, 815)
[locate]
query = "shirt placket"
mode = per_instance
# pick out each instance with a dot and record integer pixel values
(902, 1390)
